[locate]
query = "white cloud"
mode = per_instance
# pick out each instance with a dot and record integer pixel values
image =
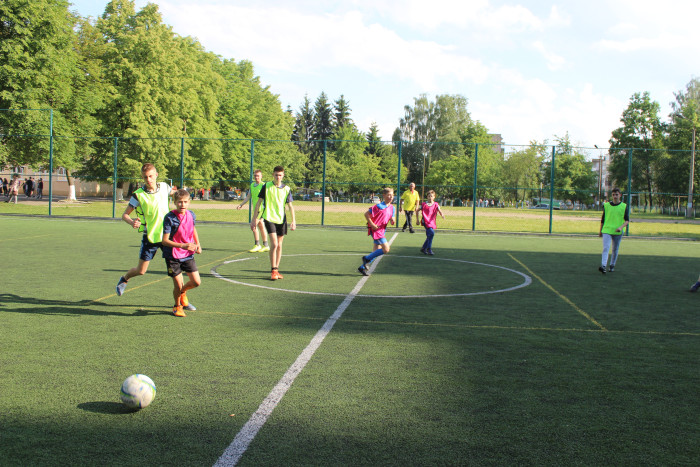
(554, 61)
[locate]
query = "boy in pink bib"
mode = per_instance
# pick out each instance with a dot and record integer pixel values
(378, 216)
(180, 243)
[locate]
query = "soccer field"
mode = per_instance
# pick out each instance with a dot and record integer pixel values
(498, 350)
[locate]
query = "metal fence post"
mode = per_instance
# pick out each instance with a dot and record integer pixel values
(50, 159)
(250, 186)
(629, 187)
(182, 162)
(551, 188)
(323, 184)
(398, 190)
(476, 164)
(114, 181)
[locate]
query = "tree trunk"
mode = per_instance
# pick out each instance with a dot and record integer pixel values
(71, 186)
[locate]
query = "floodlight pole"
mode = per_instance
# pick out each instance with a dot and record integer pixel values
(689, 211)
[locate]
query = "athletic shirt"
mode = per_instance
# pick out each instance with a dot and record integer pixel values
(614, 215)
(410, 200)
(181, 230)
(429, 215)
(274, 199)
(255, 193)
(380, 214)
(151, 209)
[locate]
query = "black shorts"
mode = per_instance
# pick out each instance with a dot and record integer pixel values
(279, 229)
(177, 267)
(148, 249)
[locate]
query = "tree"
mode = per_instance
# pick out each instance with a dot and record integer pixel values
(522, 171)
(388, 158)
(427, 123)
(341, 115)
(642, 130)
(574, 178)
(685, 120)
(41, 70)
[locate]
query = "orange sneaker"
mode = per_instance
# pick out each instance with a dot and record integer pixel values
(183, 299)
(274, 275)
(177, 311)
(279, 276)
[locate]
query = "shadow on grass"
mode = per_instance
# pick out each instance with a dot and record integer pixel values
(109, 408)
(81, 307)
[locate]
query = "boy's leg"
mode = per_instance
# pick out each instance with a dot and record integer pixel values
(430, 233)
(263, 233)
(607, 240)
(177, 287)
(194, 281)
(616, 239)
(133, 272)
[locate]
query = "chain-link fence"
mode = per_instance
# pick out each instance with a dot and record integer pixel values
(481, 186)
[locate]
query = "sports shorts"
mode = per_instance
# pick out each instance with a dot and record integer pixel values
(380, 241)
(148, 249)
(278, 229)
(178, 266)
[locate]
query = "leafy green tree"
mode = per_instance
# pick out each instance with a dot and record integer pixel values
(642, 130)
(341, 114)
(427, 127)
(522, 172)
(685, 121)
(388, 158)
(41, 70)
(574, 178)
(166, 88)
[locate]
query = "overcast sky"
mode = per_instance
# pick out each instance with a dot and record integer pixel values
(530, 70)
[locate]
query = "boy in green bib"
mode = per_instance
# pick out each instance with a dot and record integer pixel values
(274, 197)
(615, 218)
(253, 197)
(152, 203)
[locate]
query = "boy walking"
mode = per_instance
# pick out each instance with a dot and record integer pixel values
(615, 218)
(252, 196)
(274, 197)
(378, 216)
(409, 203)
(429, 212)
(180, 243)
(151, 203)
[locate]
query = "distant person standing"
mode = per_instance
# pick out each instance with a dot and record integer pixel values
(252, 196)
(40, 189)
(615, 218)
(14, 188)
(409, 203)
(5, 186)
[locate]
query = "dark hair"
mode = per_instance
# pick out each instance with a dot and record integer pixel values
(615, 190)
(180, 194)
(279, 168)
(147, 167)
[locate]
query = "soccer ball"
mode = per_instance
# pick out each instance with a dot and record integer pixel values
(138, 391)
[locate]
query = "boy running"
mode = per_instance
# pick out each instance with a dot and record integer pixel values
(253, 197)
(616, 216)
(274, 196)
(378, 216)
(151, 203)
(429, 212)
(180, 243)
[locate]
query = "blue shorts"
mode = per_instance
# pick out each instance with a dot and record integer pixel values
(380, 241)
(148, 249)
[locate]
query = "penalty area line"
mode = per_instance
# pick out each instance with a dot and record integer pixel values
(240, 443)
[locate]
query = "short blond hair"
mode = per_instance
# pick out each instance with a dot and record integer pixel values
(386, 190)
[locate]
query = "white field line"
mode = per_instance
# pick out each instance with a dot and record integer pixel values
(240, 443)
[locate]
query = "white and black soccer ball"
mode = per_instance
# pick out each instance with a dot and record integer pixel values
(138, 391)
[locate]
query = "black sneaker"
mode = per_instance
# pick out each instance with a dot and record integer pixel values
(365, 262)
(363, 270)
(602, 269)
(611, 268)
(430, 252)
(412, 231)
(424, 251)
